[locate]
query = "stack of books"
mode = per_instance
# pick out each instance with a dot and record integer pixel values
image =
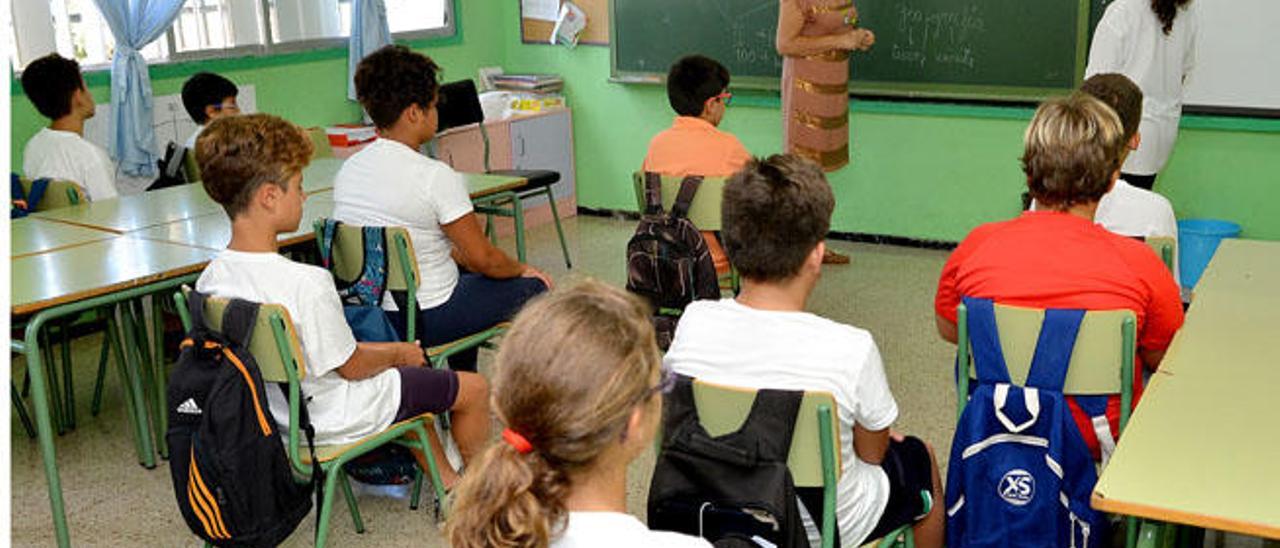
(537, 83)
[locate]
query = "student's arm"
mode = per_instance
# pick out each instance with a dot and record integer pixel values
(946, 328)
(875, 410)
(369, 359)
(870, 445)
(474, 252)
(1164, 312)
(790, 43)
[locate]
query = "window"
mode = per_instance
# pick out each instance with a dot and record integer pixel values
(212, 28)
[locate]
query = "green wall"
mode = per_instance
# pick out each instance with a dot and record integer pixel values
(928, 172)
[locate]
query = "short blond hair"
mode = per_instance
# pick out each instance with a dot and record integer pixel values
(239, 154)
(1072, 147)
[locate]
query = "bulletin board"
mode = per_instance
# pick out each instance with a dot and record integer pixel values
(534, 31)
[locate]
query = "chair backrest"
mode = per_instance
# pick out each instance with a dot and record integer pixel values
(705, 209)
(59, 193)
(723, 409)
(1103, 346)
(1166, 248)
(348, 255)
(320, 141)
(190, 167)
(273, 328)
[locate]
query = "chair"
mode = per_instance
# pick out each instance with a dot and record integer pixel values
(459, 105)
(278, 353)
(1102, 359)
(347, 256)
(320, 143)
(704, 212)
(190, 168)
(1166, 248)
(59, 193)
(814, 458)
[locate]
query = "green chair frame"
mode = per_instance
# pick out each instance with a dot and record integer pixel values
(59, 193)
(1102, 359)
(278, 353)
(1166, 248)
(704, 212)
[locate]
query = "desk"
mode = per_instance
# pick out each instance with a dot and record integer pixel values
(1203, 448)
(319, 174)
(31, 235)
(137, 211)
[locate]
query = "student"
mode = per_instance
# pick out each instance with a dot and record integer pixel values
(698, 90)
(1056, 257)
(1153, 42)
(579, 385)
(776, 214)
(389, 183)
(60, 151)
(1127, 209)
(252, 166)
(206, 96)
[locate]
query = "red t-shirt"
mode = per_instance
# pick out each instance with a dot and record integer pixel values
(1047, 259)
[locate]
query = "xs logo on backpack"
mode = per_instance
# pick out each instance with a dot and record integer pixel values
(1018, 487)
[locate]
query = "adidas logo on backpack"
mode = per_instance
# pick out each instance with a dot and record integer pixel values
(189, 407)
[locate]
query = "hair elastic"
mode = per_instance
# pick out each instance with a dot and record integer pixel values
(515, 440)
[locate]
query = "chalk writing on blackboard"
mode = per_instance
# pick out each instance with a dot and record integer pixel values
(937, 37)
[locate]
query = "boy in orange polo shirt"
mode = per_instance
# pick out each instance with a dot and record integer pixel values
(697, 87)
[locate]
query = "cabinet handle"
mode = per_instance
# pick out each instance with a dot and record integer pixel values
(521, 140)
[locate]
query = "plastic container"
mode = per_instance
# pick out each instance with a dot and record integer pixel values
(1198, 239)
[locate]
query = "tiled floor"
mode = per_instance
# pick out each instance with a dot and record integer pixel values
(111, 501)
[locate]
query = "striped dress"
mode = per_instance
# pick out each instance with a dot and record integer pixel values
(815, 90)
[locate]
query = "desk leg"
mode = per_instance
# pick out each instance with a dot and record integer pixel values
(44, 430)
(133, 394)
(136, 350)
(517, 211)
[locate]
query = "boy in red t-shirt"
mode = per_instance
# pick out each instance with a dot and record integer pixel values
(1057, 257)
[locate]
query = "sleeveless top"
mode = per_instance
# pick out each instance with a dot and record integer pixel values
(815, 90)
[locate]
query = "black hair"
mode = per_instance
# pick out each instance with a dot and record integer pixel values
(205, 89)
(392, 79)
(1167, 11)
(692, 80)
(49, 82)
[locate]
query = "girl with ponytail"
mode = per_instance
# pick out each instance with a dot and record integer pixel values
(578, 385)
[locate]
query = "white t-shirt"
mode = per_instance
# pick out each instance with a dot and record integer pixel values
(389, 184)
(725, 342)
(1130, 40)
(618, 530)
(1131, 211)
(341, 411)
(66, 155)
(191, 141)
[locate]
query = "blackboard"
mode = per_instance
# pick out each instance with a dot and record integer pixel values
(967, 49)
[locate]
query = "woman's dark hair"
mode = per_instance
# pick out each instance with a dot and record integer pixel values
(49, 83)
(205, 89)
(692, 80)
(392, 79)
(1167, 11)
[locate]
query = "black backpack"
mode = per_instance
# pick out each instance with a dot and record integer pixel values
(232, 478)
(730, 488)
(667, 259)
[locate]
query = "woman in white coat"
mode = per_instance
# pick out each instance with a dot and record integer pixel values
(1153, 43)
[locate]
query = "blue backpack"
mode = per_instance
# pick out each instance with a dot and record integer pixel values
(21, 202)
(1020, 474)
(362, 296)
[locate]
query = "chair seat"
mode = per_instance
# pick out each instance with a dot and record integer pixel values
(326, 453)
(537, 178)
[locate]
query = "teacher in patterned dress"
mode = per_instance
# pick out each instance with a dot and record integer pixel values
(814, 38)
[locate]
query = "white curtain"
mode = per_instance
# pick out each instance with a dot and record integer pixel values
(369, 33)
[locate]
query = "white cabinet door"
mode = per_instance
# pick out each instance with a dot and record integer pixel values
(545, 142)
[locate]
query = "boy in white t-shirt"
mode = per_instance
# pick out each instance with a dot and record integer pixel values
(252, 166)
(206, 97)
(388, 183)
(776, 215)
(60, 151)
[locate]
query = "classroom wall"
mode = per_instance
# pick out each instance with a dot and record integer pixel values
(916, 175)
(308, 88)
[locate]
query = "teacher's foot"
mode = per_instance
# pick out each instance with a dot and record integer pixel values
(831, 257)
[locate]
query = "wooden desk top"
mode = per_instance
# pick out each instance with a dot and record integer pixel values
(96, 268)
(137, 211)
(1203, 448)
(32, 235)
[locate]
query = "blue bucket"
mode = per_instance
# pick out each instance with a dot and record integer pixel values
(1198, 239)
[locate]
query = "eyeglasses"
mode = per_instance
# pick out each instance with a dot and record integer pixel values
(725, 98)
(229, 107)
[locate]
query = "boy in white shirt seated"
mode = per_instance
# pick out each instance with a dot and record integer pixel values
(60, 151)
(252, 166)
(776, 215)
(207, 96)
(389, 183)
(1129, 210)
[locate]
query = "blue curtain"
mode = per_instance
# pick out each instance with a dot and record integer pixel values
(369, 32)
(134, 23)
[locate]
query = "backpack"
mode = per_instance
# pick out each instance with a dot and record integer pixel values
(1020, 472)
(171, 172)
(736, 486)
(362, 297)
(23, 203)
(667, 258)
(231, 476)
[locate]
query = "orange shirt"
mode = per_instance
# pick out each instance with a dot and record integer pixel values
(692, 146)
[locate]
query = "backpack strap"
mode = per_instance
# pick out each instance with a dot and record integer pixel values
(652, 193)
(772, 421)
(373, 273)
(195, 308)
(1053, 348)
(327, 230)
(988, 357)
(238, 321)
(678, 407)
(38, 188)
(684, 199)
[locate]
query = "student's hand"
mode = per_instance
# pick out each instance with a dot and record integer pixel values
(531, 272)
(412, 354)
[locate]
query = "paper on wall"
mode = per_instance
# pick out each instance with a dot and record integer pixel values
(569, 25)
(543, 10)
